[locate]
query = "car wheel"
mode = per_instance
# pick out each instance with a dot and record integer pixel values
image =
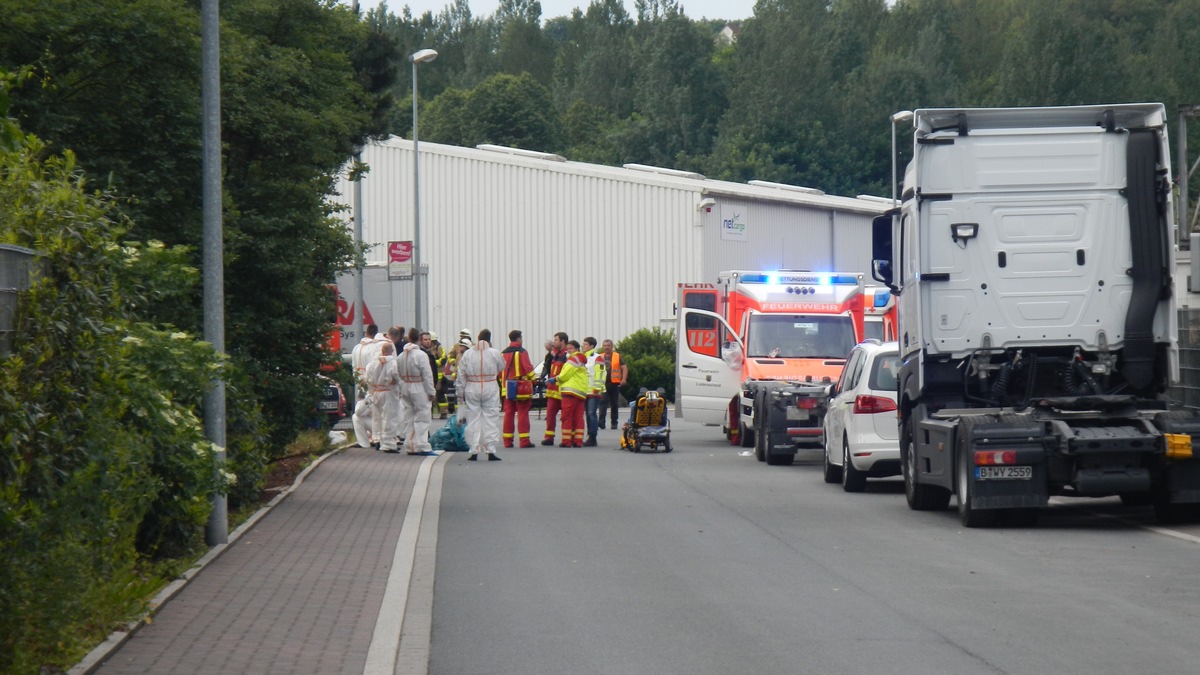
(853, 480)
(919, 497)
(833, 473)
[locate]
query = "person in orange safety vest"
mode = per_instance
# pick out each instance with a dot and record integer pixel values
(618, 374)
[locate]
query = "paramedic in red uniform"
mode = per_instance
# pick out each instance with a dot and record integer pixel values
(518, 391)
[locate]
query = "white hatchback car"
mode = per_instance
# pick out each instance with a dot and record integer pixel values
(862, 438)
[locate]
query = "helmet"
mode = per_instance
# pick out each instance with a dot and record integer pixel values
(433, 336)
(465, 332)
(652, 396)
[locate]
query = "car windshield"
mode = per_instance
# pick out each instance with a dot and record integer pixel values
(799, 336)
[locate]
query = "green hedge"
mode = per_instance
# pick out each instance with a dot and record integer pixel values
(104, 467)
(650, 355)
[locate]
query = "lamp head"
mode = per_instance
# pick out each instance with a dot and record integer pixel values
(423, 56)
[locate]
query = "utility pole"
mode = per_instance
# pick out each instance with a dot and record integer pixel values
(359, 272)
(217, 530)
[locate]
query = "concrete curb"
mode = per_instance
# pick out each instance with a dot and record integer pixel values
(105, 649)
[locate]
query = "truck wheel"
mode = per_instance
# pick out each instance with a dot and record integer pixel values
(760, 447)
(964, 485)
(833, 473)
(853, 480)
(919, 497)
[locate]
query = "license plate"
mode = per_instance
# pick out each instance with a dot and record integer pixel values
(327, 405)
(794, 413)
(1003, 472)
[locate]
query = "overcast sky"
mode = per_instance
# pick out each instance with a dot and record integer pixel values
(695, 9)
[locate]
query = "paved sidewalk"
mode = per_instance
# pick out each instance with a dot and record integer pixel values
(300, 591)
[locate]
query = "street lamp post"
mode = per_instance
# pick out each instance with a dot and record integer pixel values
(422, 56)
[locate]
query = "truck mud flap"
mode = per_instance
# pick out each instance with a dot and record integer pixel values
(1027, 440)
(1149, 271)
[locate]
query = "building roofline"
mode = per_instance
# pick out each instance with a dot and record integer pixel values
(645, 175)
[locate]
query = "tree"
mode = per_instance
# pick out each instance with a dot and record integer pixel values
(103, 461)
(507, 110)
(119, 83)
(523, 48)
(515, 111)
(680, 95)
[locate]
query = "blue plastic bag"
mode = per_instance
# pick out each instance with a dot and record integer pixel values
(450, 437)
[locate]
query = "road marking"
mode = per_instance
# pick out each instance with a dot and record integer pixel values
(1174, 534)
(417, 635)
(385, 642)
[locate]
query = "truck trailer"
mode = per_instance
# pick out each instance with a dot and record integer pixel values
(1031, 254)
(759, 350)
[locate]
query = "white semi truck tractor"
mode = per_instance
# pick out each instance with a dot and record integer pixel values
(1031, 251)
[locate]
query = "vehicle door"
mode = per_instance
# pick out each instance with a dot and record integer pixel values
(842, 404)
(705, 384)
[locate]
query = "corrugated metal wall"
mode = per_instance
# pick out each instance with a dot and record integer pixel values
(510, 244)
(530, 243)
(786, 236)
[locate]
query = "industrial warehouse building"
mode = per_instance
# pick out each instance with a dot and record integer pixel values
(518, 239)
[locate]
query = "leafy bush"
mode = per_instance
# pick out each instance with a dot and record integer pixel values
(650, 355)
(103, 461)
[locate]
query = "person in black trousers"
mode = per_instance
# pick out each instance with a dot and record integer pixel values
(618, 373)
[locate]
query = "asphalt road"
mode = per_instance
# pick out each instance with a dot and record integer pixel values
(705, 560)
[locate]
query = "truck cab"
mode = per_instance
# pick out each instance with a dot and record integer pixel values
(1031, 254)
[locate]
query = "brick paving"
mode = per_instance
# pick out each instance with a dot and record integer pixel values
(297, 593)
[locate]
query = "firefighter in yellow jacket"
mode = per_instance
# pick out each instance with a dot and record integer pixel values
(555, 360)
(573, 386)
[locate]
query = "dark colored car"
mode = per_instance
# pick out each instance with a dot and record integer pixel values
(332, 401)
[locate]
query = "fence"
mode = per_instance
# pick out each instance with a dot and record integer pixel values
(1187, 392)
(16, 265)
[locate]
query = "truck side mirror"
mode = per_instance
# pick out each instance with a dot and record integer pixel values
(881, 250)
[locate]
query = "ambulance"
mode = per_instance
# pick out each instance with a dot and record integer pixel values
(758, 350)
(879, 314)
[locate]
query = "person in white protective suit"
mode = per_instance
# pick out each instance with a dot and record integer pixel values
(479, 372)
(384, 381)
(361, 418)
(416, 394)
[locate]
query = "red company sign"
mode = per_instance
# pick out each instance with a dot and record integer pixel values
(400, 260)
